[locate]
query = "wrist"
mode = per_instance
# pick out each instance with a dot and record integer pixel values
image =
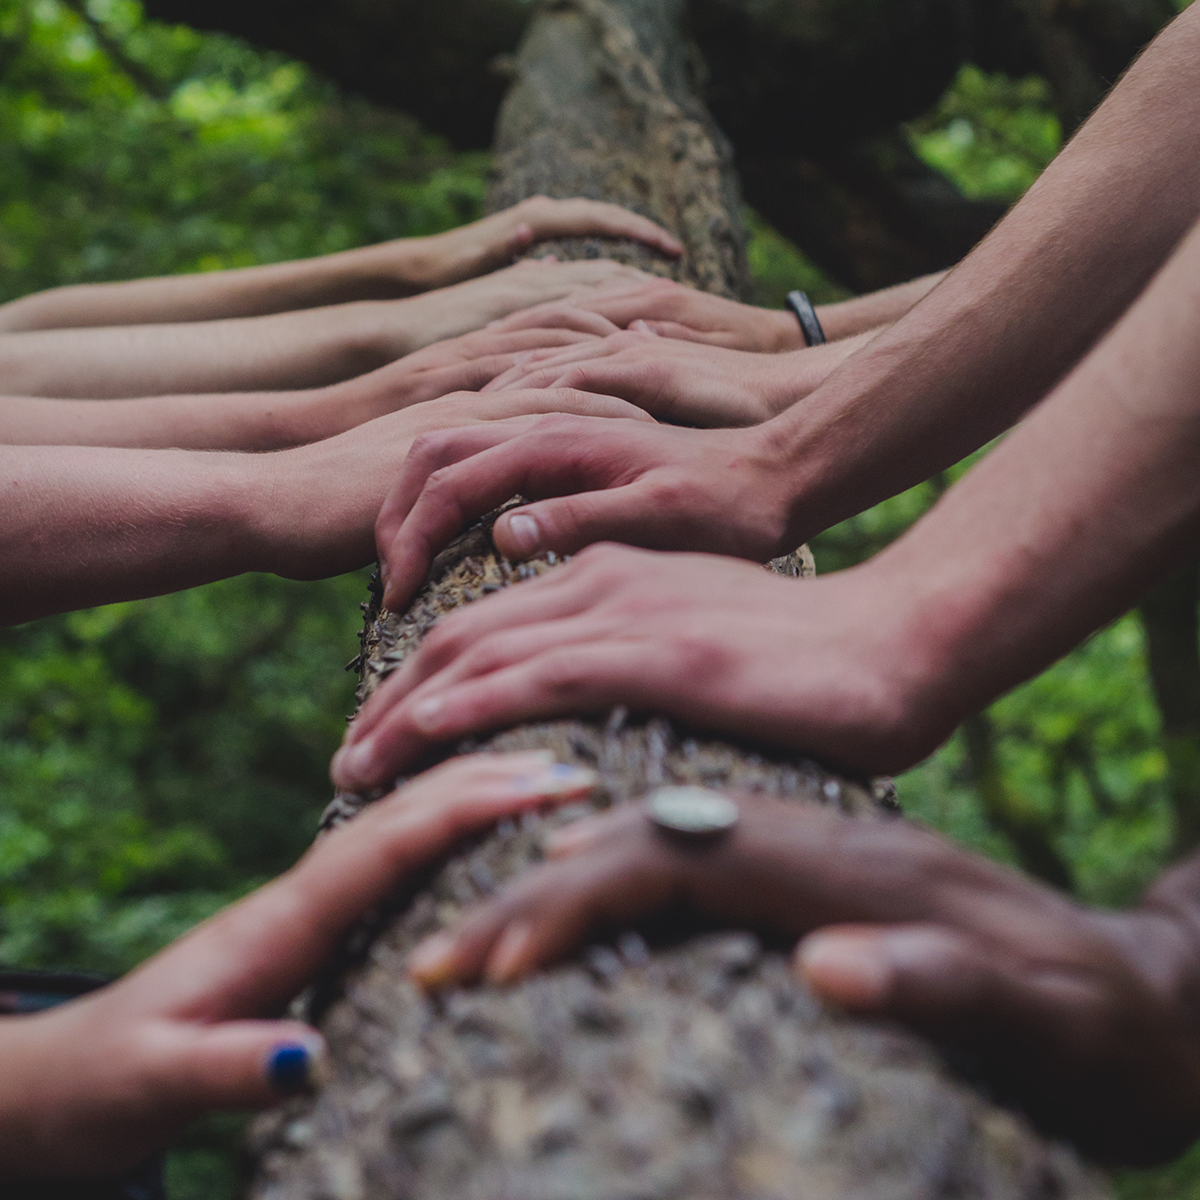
(781, 331)
(27, 1118)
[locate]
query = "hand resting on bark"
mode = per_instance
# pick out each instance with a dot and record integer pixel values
(1084, 1017)
(98, 1084)
(384, 271)
(85, 525)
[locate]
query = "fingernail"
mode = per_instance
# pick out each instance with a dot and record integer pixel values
(523, 532)
(569, 839)
(297, 1066)
(353, 762)
(426, 713)
(507, 960)
(432, 962)
(555, 780)
(853, 971)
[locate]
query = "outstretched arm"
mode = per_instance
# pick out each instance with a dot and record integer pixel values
(275, 420)
(1085, 1018)
(989, 341)
(82, 525)
(311, 348)
(95, 1086)
(382, 272)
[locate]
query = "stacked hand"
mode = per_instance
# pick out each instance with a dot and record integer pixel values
(724, 491)
(676, 311)
(682, 382)
(95, 1086)
(1084, 1017)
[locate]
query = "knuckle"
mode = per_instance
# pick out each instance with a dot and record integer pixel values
(427, 447)
(669, 491)
(564, 674)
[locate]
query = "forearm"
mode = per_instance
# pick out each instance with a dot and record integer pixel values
(1070, 519)
(1021, 309)
(368, 273)
(253, 421)
(84, 526)
(292, 350)
(884, 307)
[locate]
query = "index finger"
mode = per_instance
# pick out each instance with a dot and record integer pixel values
(582, 217)
(253, 957)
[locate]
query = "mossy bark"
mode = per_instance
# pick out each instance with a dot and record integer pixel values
(690, 1066)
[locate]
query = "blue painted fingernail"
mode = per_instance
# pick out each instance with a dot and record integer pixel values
(290, 1067)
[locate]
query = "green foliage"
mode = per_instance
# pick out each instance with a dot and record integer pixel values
(777, 267)
(173, 151)
(991, 134)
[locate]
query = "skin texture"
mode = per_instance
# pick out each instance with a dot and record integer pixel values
(83, 525)
(96, 1085)
(310, 348)
(382, 272)
(277, 420)
(1077, 512)
(1084, 1017)
(673, 310)
(682, 382)
(966, 362)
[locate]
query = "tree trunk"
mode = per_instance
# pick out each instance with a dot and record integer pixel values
(695, 1068)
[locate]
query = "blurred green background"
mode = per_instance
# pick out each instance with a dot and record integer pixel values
(160, 758)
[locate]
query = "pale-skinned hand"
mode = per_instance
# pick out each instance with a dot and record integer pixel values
(682, 382)
(496, 240)
(677, 311)
(659, 486)
(461, 364)
(96, 1085)
(320, 501)
(811, 666)
(1083, 1017)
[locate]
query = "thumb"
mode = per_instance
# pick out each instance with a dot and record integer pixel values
(241, 1064)
(921, 974)
(566, 524)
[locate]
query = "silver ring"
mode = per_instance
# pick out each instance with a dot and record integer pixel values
(694, 813)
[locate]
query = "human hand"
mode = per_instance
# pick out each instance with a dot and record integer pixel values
(685, 383)
(461, 364)
(834, 667)
(314, 507)
(677, 311)
(726, 491)
(496, 240)
(398, 327)
(98, 1084)
(1083, 1017)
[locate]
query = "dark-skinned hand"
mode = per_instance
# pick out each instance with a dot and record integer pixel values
(1086, 1018)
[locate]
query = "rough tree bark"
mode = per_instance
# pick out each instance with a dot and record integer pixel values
(696, 1067)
